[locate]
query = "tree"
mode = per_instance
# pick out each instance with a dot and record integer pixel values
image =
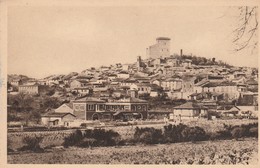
(245, 34)
(36, 115)
(51, 102)
(21, 102)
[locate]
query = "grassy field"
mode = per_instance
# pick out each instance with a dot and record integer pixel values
(208, 152)
(56, 138)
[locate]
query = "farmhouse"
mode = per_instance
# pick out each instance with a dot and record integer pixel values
(189, 110)
(57, 119)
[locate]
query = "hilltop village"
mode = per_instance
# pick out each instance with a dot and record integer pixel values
(163, 85)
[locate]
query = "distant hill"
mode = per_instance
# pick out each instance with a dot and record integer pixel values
(23, 78)
(70, 75)
(195, 60)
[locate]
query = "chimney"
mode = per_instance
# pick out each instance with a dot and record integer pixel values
(181, 53)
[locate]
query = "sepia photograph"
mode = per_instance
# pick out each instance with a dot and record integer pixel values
(131, 83)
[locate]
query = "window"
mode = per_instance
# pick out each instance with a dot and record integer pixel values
(91, 107)
(144, 107)
(81, 107)
(134, 108)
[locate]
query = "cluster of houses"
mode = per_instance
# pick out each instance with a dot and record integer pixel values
(123, 91)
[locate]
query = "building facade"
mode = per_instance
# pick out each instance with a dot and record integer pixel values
(29, 89)
(96, 109)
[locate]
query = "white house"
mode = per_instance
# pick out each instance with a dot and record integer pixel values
(189, 110)
(142, 88)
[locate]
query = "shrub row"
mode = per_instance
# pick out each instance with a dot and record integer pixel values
(92, 138)
(147, 135)
(170, 134)
(236, 132)
(183, 133)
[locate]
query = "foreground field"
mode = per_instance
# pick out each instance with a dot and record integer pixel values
(208, 152)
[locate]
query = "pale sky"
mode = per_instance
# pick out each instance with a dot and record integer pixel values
(58, 40)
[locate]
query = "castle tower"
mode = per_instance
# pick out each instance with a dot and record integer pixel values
(159, 50)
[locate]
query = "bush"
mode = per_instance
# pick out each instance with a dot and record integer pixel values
(32, 143)
(91, 138)
(12, 117)
(253, 132)
(214, 136)
(194, 134)
(247, 128)
(238, 132)
(224, 134)
(148, 135)
(103, 137)
(172, 133)
(73, 139)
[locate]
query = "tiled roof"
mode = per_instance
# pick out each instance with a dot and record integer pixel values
(16, 80)
(70, 105)
(189, 105)
(252, 82)
(57, 114)
(163, 38)
(82, 88)
(202, 82)
(30, 84)
(130, 80)
(123, 72)
(136, 100)
(89, 99)
(159, 111)
(195, 94)
(215, 84)
(227, 107)
(132, 100)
